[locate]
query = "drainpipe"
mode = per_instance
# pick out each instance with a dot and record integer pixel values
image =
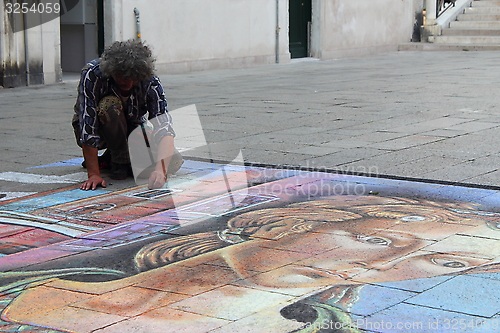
(26, 50)
(137, 23)
(278, 31)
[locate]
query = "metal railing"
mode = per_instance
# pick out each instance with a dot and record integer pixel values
(443, 5)
(435, 8)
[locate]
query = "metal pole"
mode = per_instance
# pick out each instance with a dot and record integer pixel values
(26, 49)
(278, 31)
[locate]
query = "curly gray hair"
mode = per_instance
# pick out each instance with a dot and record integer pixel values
(131, 60)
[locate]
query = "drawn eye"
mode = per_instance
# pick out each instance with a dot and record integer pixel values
(412, 218)
(315, 276)
(374, 240)
(449, 263)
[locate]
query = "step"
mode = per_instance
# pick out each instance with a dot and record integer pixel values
(468, 40)
(446, 47)
(475, 25)
(486, 3)
(477, 28)
(470, 32)
(482, 10)
(478, 17)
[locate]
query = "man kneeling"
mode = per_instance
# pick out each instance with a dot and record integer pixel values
(115, 93)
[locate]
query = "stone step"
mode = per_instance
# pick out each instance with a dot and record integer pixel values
(477, 28)
(446, 47)
(482, 10)
(468, 40)
(475, 24)
(470, 32)
(478, 17)
(487, 3)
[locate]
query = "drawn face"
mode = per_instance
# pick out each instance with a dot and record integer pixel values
(310, 245)
(364, 250)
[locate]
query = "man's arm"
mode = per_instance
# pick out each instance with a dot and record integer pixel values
(86, 109)
(94, 175)
(163, 132)
(165, 151)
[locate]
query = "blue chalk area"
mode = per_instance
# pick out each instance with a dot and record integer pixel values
(373, 299)
(485, 199)
(73, 162)
(27, 205)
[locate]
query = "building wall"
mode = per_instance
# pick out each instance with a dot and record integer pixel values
(344, 28)
(199, 34)
(51, 51)
(28, 55)
(12, 56)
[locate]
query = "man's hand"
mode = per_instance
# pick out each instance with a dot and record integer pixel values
(158, 177)
(92, 183)
(156, 180)
(94, 175)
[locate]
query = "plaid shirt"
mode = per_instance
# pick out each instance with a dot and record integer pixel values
(145, 97)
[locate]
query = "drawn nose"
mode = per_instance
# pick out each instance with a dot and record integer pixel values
(378, 265)
(383, 264)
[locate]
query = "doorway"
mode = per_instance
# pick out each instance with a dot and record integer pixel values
(300, 13)
(81, 35)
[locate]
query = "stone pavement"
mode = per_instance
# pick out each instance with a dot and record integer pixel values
(411, 114)
(391, 244)
(422, 115)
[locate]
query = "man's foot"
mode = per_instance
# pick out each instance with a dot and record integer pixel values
(104, 161)
(120, 171)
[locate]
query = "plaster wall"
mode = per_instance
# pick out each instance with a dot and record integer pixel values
(199, 34)
(51, 48)
(12, 55)
(29, 56)
(343, 28)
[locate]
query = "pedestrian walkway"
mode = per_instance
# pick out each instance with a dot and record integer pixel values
(358, 194)
(416, 114)
(429, 115)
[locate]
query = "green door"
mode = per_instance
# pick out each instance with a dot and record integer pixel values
(100, 26)
(300, 16)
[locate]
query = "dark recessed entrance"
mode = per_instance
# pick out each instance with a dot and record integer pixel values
(300, 18)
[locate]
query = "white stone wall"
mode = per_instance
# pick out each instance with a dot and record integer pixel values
(51, 51)
(203, 34)
(344, 28)
(12, 54)
(200, 34)
(35, 50)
